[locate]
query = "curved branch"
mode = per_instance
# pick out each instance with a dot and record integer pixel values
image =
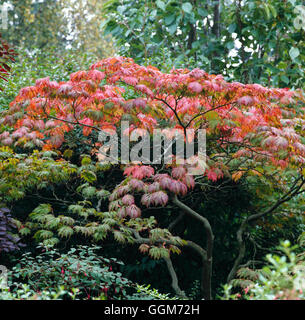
(175, 113)
(207, 111)
(294, 190)
(247, 264)
(199, 250)
(174, 277)
(207, 261)
(201, 219)
(241, 252)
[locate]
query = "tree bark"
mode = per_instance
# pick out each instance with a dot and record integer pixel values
(174, 277)
(216, 20)
(207, 263)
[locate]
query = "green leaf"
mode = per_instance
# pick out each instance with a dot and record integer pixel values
(86, 161)
(103, 194)
(266, 11)
(230, 45)
(160, 4)
(43, 234)
(187, 7)
(86, 231)
(89, 192)
(50, 154)
(50, 242)
(103, 228)
(43, 208)
(121, 9)
(196, 44)
(88, 176)
(25, 231)
(273, 10)
(99, 236)
(203, 12)
(157, 253)
(67, 220)
(118, 236)
(172, 29)
(65, 232)
(75, 208)
(169, 19)
(110, 221)
(285, 79)
(232, 27)
(294, 53)
(53, 223)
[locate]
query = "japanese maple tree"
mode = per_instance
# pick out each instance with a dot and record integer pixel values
(253, 133)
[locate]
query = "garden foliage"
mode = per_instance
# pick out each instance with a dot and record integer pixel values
(255, 139)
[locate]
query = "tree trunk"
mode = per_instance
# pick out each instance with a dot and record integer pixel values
(216, 21)
(207, 262)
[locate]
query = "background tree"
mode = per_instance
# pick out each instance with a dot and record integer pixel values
(86, 18)
(36, 24)
(58, 25)
(252, 41)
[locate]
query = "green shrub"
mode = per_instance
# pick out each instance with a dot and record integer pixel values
(80, 268)
(81, 273)
(281, 279)
(40, 64)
